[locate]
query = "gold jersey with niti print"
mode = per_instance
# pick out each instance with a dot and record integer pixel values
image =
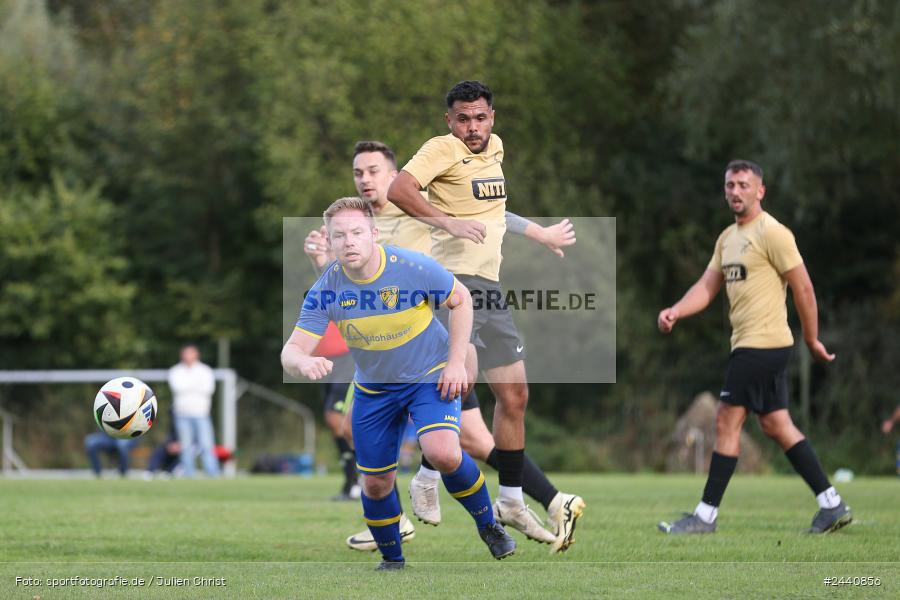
(468, 186)
(752, 258)
(396, 228)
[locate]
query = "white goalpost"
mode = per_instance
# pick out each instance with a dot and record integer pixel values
(227, 422)
(231, 391)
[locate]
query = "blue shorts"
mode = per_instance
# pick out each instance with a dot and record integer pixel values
(409, 434)
(380, 416)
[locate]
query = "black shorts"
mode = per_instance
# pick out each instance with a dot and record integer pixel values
(494, 333)
(470, 401)
(757, 379)
(335, 386)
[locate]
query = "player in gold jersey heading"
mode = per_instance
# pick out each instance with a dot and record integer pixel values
(463, 174)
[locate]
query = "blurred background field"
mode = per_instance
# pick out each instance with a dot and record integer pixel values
(150, 148)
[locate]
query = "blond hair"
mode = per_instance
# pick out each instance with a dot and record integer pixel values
(349, 203)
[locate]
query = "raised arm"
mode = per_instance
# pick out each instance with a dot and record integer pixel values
(404, 192)
(888, 424)
(454, 379)
(808, 310)
(695, 300)
(555, 237)
(297, 358)
(317, 249)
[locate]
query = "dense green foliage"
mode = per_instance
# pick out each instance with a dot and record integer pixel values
(275, 537)
(149, 149)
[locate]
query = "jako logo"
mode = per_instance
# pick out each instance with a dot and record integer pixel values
(480, 511)
(493, 188)
(451, 418)
(348, 300)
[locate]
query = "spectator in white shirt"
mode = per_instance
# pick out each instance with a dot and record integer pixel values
(193, 383)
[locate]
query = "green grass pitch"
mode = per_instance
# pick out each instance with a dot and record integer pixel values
(271, 537)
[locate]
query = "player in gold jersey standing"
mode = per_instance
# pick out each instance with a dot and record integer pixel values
(466, 207)
(756, 259)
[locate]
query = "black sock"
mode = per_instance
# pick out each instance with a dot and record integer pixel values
(534, 482)
(510, 465)
(348, 463)
(427, 464)
(721, 468)
(804, 460)
(351, 477)
(492, 461)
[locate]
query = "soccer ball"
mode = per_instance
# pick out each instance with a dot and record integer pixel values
(125, 407)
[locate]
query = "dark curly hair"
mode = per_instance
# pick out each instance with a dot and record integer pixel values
(469, 91)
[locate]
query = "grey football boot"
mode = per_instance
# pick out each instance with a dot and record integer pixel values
(689, 523)
(828, 520)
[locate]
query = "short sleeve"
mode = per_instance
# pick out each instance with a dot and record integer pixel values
(433, 159)
(313, 319)
(715, 263)
(440, 281)
(782, 248)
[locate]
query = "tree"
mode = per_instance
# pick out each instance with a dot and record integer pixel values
(66, 299)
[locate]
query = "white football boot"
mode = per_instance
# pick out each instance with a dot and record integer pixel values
(364, 542)
(425, 503)
(518, 515)
(564, 511)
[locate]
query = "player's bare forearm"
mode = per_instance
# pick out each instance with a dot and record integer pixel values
(554, 237)
(700, 294)
(297, 359)
(808, 311)
(461, 318)
(888, 425)
(291, 358)
(317, 249)
(404, 193)
(694, 300)
(317, 261)
(805, 301)
(454, 379)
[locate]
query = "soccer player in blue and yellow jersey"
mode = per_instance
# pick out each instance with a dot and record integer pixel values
(383, 300)
(463, 174)
(374, 168)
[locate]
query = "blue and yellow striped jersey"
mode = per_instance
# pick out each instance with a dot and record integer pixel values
(388, 320)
